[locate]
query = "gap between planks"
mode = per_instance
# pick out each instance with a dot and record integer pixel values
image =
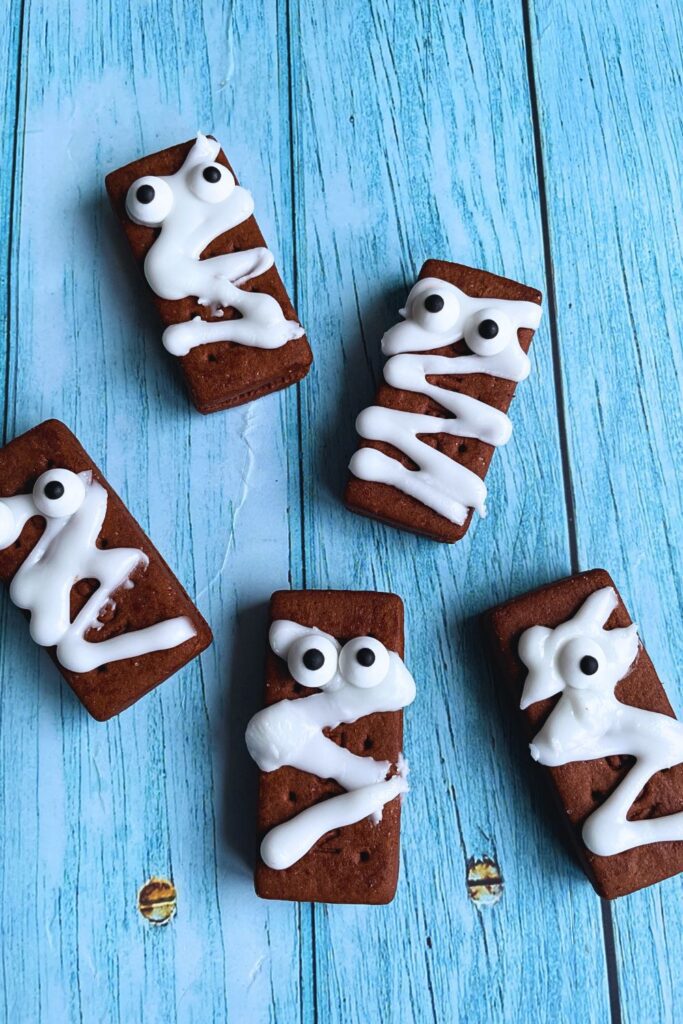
(605, 910)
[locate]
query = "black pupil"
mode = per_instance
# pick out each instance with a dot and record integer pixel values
(54, 489)
(434, 303)
(488, 329)
(588, 665)
(365, 657)
(212, 174)
(314, 659)
(145, 194)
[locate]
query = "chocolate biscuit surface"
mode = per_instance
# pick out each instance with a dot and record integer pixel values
(358, 863)
(387, 502)
(218, 374)
(155, 595)
(580, 787)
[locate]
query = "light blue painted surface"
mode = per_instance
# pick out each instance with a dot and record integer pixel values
(542, 143)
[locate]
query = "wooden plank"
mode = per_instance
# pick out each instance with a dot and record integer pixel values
(12, 102)
(609, 82)
(90, 812)
(18, 926)
(421, 147)
(413, 139)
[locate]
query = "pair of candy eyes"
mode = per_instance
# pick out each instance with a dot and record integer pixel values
(487, 333)
(150, 200)
(314, 661)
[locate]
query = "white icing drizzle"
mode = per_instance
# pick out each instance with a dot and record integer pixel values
(290, 732)
(65, 553)
(583, 662)
(440, 482)
(287, 843)
(193, 207)
(261, 325)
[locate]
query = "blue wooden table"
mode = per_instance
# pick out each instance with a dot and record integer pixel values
(540, 140)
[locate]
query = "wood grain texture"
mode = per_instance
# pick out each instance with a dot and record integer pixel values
(415, 167)
(373, 135)
(90, 813)
(614, 210)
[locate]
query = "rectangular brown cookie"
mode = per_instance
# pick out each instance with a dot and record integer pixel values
(359, 863)
(156, 595)
(221, 374)
(388, 503)
(581, 786)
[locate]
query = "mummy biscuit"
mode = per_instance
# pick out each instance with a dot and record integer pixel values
(97, 594)
(328, 744)
(226, 314)
(454, 363)
(600, 723)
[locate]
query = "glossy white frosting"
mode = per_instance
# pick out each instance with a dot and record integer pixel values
(65, 553)
(191, 212)
(290, 732)
(439, 482)
(583, 662)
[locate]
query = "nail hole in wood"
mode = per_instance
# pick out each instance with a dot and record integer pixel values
(157, 901)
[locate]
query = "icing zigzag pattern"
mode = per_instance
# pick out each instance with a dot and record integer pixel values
(438, 314)
(583, 662)
(192, 208)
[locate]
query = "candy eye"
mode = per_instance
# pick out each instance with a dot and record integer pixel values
(149, 201)
(58, 493)
(581, 662)
(212, 183)
(364, 662)
(312, 660)
(435, 308)
(489, 332)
